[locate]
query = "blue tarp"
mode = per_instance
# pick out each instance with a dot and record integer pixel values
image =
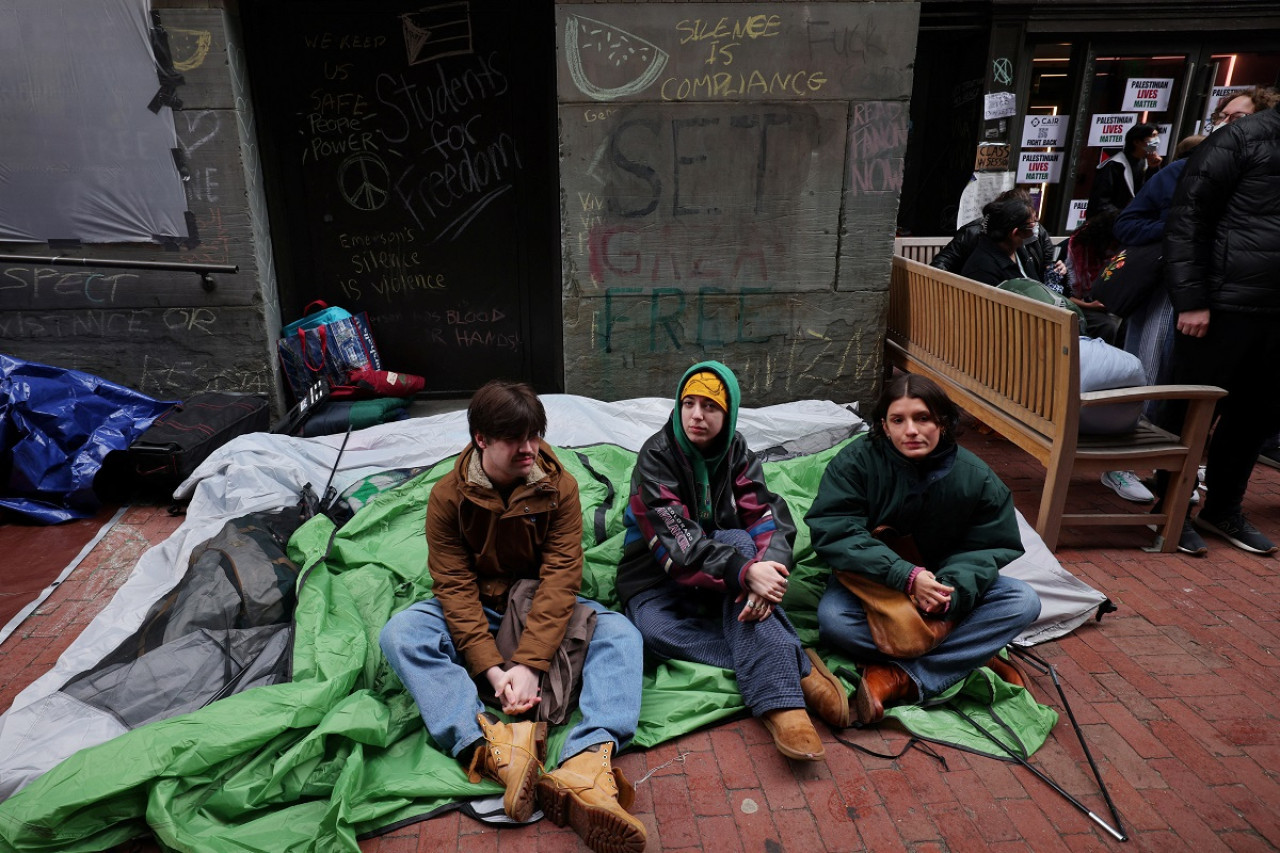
(56, 427)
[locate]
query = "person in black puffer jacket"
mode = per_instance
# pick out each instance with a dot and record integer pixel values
(1222, 270)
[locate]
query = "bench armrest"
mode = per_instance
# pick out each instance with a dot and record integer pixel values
(1151, 392)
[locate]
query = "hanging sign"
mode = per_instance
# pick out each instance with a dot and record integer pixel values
(1039, 167)
(999, 105)
(1147, 93)
(1107, 129)
(992, 157)
(1075, 215)
(1044, 131)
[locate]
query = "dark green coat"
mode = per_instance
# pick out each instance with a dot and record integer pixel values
(959, 514)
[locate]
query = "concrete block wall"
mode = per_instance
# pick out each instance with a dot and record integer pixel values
(730, 176)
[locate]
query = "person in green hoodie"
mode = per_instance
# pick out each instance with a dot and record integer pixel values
(910, 477)
(705, 563)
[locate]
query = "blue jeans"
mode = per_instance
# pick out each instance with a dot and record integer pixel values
(1008, 606)
(420, 649)
(681, 623)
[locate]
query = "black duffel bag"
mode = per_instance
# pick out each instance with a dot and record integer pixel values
(1129, 278)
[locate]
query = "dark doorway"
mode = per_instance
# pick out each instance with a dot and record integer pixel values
(410, 155)
(946, 120)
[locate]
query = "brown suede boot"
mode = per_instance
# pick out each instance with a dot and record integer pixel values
(588, 793)
(1006, 671)
(794, 734)
(511, 755)
(882, 685)
(824, 694)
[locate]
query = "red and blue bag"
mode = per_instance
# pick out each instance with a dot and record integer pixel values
(329, 342)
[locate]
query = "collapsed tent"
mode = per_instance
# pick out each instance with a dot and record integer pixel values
(339, 750)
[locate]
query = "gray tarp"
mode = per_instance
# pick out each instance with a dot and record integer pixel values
(81, 156)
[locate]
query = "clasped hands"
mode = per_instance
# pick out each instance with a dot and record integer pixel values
(518, 688)
(764, 584)
(930, 595)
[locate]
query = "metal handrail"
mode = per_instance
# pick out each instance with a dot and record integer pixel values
(205, 271)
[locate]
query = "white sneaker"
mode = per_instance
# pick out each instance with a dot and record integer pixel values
(1127, 485)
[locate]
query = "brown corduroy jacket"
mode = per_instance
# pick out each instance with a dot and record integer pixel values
(478, 547)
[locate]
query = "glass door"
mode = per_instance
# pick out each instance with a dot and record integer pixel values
(1122, 89)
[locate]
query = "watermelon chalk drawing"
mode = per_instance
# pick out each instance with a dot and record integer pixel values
(625, 64)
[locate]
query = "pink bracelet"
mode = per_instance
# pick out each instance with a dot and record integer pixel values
(911, 578)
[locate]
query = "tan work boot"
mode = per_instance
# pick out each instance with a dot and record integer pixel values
(588, 793)
(824, 694)
(511, 755)
(794, 734)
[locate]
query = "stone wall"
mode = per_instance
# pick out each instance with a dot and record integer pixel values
(729, 178)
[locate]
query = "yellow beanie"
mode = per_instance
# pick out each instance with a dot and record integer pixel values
(704, 383)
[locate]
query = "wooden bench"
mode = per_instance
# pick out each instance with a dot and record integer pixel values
(923, 249)
(920, 249)
(1014, 364)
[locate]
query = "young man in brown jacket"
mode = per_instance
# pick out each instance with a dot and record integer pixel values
(508, 511)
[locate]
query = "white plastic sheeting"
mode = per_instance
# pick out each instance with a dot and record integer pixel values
(262, 472)
(81, 155)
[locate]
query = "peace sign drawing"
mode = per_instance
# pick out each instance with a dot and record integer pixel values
(364, 181)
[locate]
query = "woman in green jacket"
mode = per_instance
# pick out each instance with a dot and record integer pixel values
(909, 476)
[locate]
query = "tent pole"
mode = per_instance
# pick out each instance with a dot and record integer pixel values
(1119, 836)
(1049, 668)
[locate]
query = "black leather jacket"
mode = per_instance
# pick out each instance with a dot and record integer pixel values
(951, 257)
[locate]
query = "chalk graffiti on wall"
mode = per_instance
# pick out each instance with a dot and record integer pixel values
(697, 52)
(624, 64)
(707, 192)
(437, 31)
(801, 346)
(189, 48)
(877, 144)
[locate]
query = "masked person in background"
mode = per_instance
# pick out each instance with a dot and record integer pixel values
(1123, 174)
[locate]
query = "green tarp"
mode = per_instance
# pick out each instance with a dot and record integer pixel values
(341, 752)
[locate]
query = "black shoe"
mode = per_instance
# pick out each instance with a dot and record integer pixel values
(1270, 457)
(1189, 541)
(1239, 532)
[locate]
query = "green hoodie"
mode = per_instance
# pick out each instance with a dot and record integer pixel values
(706, 465)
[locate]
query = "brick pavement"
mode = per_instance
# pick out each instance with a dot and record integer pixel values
(1175, 692)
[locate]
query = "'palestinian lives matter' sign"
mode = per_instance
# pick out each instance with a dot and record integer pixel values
(1147, 93)
(1075, 216)
(1039, 167)
(1044, 131)
(1107, 129)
